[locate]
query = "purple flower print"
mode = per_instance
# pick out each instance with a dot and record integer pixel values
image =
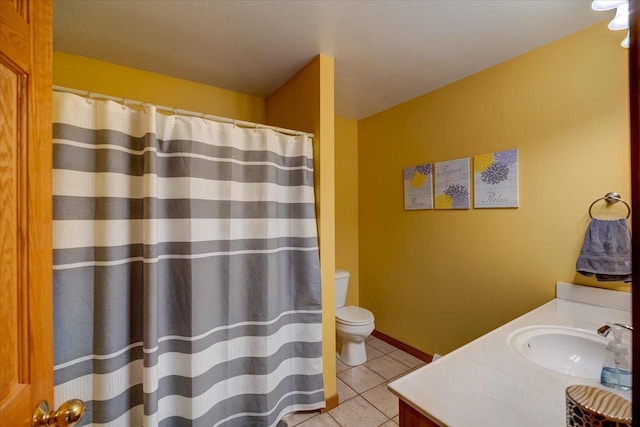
(509, 157)
(424, 169)
(459, 194)
(408, 173)
(495, 173)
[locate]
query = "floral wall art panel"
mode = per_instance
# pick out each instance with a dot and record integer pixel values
(418, 187)
(495, 179)
(452, 184)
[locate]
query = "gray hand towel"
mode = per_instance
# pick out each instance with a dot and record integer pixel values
(606, 251)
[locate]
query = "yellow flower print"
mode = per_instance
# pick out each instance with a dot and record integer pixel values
(417, 180)
(481, 162)
(444, 201)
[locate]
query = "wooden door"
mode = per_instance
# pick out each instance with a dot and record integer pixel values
(26, 303)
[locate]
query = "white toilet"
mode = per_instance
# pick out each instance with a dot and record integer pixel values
(353, 325)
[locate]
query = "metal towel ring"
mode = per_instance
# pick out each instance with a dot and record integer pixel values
(611, 198)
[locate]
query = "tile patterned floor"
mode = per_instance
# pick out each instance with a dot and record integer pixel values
(364, 398)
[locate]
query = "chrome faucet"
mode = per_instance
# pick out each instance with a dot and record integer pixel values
(604, 330)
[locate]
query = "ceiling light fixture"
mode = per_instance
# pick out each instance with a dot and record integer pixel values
(621, 20)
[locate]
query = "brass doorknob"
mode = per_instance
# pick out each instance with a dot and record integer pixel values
(67, 415)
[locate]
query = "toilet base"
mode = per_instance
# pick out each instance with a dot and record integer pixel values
(353, 353)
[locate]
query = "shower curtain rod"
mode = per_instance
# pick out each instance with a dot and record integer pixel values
(126, 101)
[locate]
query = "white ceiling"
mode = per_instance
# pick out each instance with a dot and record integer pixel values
(386, 52)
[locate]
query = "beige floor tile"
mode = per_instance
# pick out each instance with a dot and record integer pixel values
(387, 367)
(380, 345)
(344, 391)
(389, 423)
(405, 373)
(357, 412)
(322, 420)
(341, 366)
(382, 399)
(406, 358)
(396, 419)
(372, 352)
(360, 378)
(298, 417)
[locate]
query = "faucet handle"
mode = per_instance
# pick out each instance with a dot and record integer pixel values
(605, 329)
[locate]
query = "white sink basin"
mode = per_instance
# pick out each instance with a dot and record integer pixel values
(568, 351)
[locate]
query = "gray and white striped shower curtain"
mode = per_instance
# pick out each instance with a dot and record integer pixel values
(186, 269)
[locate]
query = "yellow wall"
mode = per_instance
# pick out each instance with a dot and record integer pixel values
(79, 72)
(347, 203)
(438, 279)
(306, 102)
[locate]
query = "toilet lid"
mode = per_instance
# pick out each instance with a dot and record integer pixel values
(351, 315)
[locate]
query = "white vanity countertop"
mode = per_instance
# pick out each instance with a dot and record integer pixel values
(486, 383)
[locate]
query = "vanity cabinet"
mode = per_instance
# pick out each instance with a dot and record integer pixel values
(490, 382)
(409, 417)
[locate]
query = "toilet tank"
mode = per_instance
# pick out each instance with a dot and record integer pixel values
(342, 283)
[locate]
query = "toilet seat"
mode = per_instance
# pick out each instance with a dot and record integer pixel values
(351, 315)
